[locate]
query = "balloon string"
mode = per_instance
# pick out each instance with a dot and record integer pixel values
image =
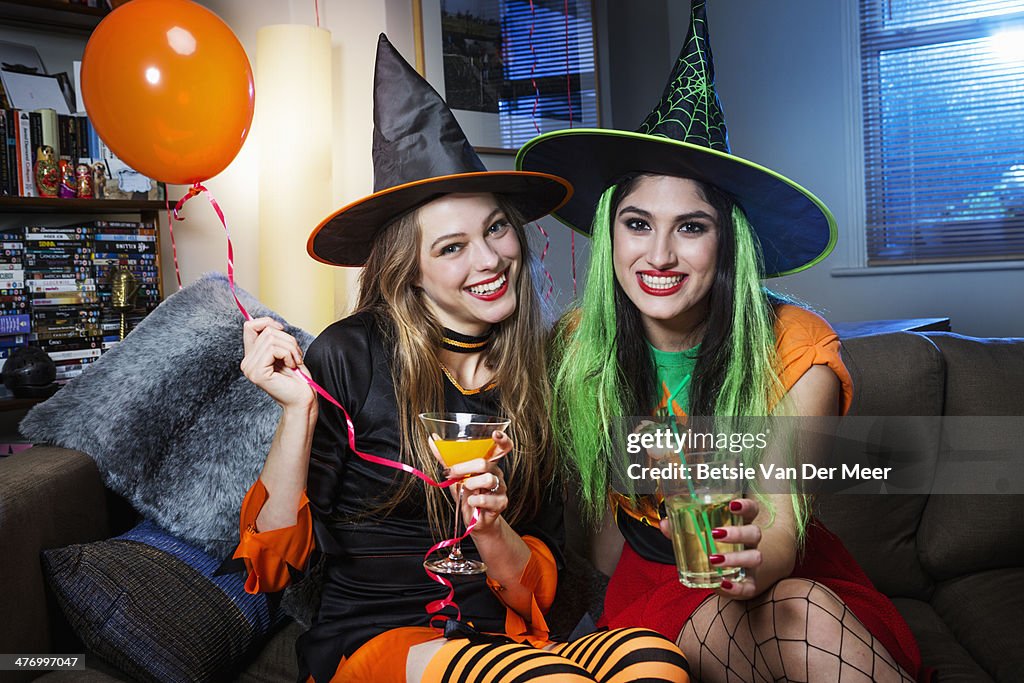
(174, 247)
(568, 79)
(437, 605)
(547, 273)
(533, 70)
(568, 95)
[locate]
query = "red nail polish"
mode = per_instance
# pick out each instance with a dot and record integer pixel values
(735, 506)
(716, 559)
(718, 533)
(726, 584)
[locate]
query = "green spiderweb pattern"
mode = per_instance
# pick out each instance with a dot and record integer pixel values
(689, 110)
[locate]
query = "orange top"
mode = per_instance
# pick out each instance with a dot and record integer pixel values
(804, 339)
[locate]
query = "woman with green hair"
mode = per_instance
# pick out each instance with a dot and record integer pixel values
(674, 320)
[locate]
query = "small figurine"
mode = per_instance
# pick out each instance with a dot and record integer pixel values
(67, 188)
(47, 179)
(83, 176)
(99, 179)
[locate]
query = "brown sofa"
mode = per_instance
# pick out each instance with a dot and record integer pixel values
(954, 565)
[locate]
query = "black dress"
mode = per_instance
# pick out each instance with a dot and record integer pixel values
(374, 579)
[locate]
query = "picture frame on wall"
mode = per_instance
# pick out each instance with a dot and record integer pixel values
(510, 69)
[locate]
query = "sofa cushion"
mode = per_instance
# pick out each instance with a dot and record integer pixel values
(980, 610)
(48, 497)
(149, 604)
(939, 647)
(894, 376)
(277, 660)
(170, 420)
(983, 376)
(982, 433)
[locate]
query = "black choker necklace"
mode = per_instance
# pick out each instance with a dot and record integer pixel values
(464, 343)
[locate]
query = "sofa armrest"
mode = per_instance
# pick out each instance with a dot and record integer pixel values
(49, 497)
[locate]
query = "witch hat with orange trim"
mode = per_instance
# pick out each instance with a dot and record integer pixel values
(419, 154)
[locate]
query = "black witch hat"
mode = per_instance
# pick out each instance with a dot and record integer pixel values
(685, 136)
(419, 154)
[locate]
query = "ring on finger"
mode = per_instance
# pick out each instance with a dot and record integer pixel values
(497, 484)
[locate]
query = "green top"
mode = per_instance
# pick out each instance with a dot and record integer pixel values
(674, 370)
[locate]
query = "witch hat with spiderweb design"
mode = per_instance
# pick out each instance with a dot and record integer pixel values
(685, 136)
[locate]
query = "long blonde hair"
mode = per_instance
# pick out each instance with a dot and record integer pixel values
(516, 353)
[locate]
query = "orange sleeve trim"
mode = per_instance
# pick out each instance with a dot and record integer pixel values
(540, 577)
(267, 554)
(804, 339)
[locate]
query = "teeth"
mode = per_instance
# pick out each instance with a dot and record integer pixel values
(661, 282)
(490, 287)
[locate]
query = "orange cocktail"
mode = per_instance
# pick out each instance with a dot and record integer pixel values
(464, 450)
(458, 438)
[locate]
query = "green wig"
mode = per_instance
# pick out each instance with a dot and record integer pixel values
(589, 390)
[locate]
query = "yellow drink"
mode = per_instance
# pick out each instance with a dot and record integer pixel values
(464, 450)
(692, 522)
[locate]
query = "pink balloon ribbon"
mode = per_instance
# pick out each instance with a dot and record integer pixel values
(432, 607)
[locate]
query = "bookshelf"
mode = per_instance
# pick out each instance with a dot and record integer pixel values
(50, 15)
(61, 28)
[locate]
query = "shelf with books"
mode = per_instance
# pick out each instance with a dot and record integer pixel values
(9, 205)
(74, 290)
(51, 15)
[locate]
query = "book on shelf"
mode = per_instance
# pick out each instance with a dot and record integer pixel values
(15, 324)
(55, 293)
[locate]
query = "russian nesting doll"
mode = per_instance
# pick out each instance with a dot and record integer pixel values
(47, 176)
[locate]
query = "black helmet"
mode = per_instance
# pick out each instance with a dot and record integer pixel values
(30, 373)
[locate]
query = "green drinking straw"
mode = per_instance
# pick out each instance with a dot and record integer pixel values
(703, 532)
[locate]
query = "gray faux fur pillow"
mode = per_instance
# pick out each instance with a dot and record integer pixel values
(171, 422)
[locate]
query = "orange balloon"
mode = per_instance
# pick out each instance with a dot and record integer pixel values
(169, 89)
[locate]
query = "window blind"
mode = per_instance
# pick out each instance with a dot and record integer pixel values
(943, 94)
(566, 86)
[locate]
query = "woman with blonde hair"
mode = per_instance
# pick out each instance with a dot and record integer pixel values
(448, 320)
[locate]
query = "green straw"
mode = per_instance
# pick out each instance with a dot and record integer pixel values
(703, 532)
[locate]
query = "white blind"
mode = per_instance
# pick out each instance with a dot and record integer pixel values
(560, 63)
(943, 86)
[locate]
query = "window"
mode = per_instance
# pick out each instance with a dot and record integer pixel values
(943, 98)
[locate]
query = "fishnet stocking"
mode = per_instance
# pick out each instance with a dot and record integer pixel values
(798, 630)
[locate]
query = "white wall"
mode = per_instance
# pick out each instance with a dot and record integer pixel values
(783, 72)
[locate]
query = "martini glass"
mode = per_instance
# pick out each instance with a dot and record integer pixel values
(460, 437)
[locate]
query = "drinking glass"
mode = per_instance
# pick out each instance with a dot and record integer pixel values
(460, 437)
(695, 506)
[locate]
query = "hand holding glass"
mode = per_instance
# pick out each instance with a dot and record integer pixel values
(697, 506)
(460, 437)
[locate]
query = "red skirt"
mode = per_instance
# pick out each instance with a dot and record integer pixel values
(648, 594)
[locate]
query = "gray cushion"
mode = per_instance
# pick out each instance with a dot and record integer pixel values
(981, 610)
(171, 421)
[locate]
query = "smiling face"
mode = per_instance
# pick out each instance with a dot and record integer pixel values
(665, 238)
(469, 261)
